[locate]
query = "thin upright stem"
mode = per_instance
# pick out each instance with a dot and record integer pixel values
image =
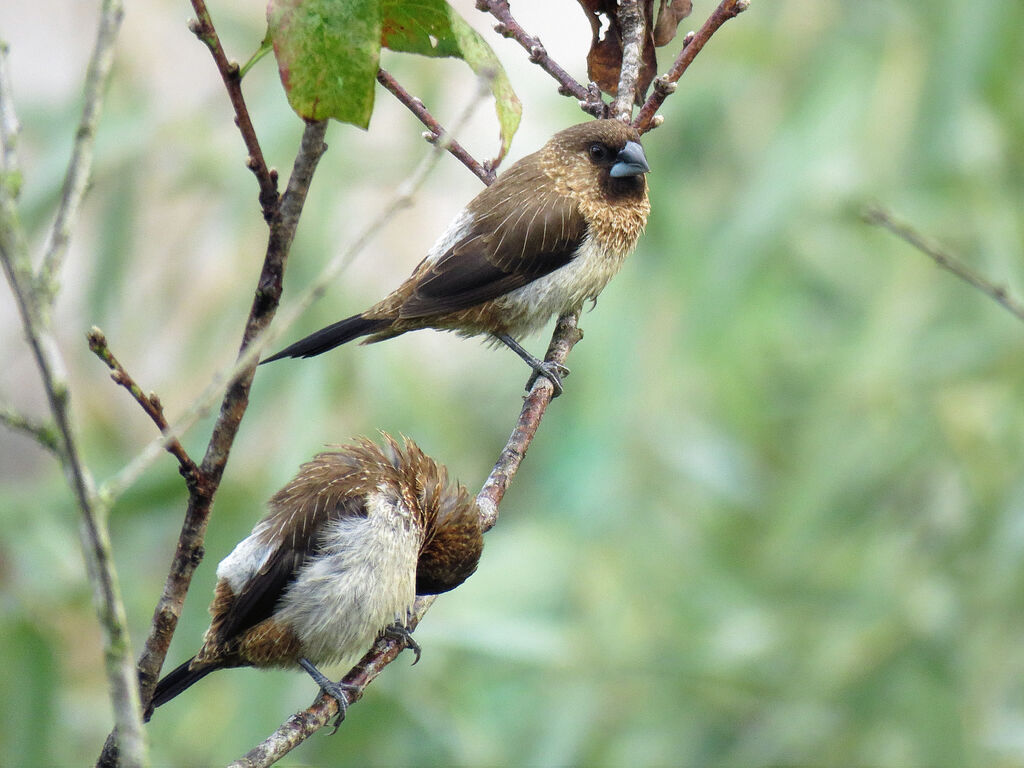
(634, 25)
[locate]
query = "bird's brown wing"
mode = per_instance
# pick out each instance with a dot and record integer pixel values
(262, 592)
(518, 234)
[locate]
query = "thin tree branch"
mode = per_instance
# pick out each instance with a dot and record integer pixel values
(564, 338)
(634, 25)
(44, 433)
(34, 297)
(589, 97)
(9, 126)
(484, 172)
(80, 167)
(692, 45)
(150, 403)
(94, 509)
(202, 27)
(189, 550)
(881, 218)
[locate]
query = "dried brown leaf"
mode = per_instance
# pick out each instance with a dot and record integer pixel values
(604, 61)
(670, 13)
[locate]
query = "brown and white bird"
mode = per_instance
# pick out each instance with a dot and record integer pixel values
(547, 235)
(346, 547)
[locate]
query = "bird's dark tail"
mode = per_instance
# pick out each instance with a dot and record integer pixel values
(176, 681)
(331, 337)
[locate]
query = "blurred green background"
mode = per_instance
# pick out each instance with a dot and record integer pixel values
(778, 516)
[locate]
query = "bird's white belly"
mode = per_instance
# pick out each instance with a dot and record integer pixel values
(567, 287)
(363, 580)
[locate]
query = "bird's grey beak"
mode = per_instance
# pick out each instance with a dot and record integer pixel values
(631, 161)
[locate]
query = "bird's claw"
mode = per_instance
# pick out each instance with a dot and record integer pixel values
(337, 692)
(553, 372)
(402, 632)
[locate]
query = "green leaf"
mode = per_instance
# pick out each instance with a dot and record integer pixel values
(327, 53)
(433, 28)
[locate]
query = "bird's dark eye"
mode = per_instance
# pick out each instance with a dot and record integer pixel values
(599, 152)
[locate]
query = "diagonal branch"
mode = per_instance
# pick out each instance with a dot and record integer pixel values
(881, 218)
(80, 167)
(692, 45)
(300, 726)
(236, 399)
(150, 403)
(564, 338)
(484, 172)
(202, 27)
(589, 97)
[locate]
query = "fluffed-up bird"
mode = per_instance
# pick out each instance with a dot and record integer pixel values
(548, 234)
(346, 547)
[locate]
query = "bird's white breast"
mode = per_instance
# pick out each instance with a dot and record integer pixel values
(559, 291)
(362, 579)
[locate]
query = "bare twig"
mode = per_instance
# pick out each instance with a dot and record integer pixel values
(484, 172)
(80, 167)
(34, 297)
(692, 45)
(44, 433)
(202, 27)
(634, 25)
(9, 127)
(150, 403)
(589, 97)
(565, 337)
(882, 218)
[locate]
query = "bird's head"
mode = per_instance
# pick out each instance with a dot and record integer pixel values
(448, 515)
(600, 158)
